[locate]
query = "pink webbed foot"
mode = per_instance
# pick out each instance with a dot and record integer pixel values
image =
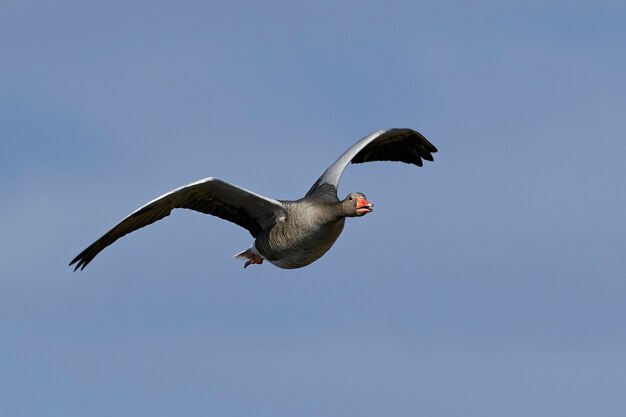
(254, 259)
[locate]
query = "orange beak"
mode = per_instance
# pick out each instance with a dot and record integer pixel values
(363, 206)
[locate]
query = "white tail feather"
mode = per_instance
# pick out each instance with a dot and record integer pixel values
(248, 253)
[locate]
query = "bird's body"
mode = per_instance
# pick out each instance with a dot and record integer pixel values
(318, 226)
(289, 234)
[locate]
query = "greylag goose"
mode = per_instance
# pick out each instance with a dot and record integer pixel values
(289, 234)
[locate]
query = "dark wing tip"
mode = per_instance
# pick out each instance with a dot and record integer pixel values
(80, 263)
(85, 257)
(403, 145)
(77, 259)
(424, 144)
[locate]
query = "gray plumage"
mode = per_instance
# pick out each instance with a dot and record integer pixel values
(289, 234)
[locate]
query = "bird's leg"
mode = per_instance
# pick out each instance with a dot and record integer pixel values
(254, 259)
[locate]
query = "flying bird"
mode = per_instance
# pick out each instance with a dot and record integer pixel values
(288, 234)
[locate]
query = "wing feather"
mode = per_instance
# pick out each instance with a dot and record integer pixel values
(210, 196)
(402, 145)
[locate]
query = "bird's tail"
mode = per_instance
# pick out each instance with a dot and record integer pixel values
(249, 253)
(246, 254)
(252, 256)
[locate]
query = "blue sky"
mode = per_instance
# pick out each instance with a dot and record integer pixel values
(490, 282)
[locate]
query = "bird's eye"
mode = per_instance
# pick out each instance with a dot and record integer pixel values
(350, 198)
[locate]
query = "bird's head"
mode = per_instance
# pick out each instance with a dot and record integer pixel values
(356, 205)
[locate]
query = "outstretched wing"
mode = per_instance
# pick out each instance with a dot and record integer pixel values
(404, 145)
(211, 196)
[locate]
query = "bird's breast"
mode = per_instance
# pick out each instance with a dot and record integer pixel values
(292, 246)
